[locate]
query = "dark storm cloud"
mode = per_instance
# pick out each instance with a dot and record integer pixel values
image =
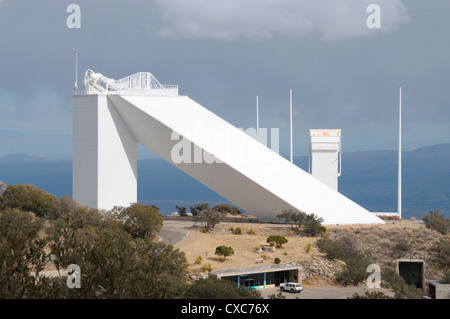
(223, 54)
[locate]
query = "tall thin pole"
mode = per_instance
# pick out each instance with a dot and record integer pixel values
(76, 69)
(291, 142)
(399, 199)
(257, 118)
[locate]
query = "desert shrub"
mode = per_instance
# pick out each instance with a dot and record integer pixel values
(354, 272)
(226, 208)
(219, 289)
(277, 260)
(224, 251)
(308, 248)
(331, 248)
(264, 256)
(206, 268)
(181, 210)
(141, 221)
(21, 253)
(446, 277)
(238, 231)
(443, 252)
(277, 296)
(437, 221)
(29, 198)
(208, 217)
(251, 232)
(198, 208)
(391, 280)
(370, 295)
(277, 240)
(402, 245)
(198, 260)
(292, 217)
(312, 225)
(345, 250)
(309, 223)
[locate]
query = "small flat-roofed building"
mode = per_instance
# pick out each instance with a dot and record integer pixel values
(438, 290)
(260, 276)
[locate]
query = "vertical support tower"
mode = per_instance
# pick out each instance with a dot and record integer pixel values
(325, 156)
(104, 154)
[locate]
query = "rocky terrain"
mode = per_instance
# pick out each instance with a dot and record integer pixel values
(384, 244)
(2, 187)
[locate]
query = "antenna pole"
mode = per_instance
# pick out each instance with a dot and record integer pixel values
(399, 199)
(76, 69)
(257, 118)
(291, 144)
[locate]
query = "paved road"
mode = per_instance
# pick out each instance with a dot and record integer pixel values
(323, 292)
(173, 232)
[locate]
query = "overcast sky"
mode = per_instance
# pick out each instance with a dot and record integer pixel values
(224, 53)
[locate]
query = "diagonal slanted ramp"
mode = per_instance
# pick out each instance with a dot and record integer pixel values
(230, 162)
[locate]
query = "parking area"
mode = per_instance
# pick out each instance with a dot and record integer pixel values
(323, 292)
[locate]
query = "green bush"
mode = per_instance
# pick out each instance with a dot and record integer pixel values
(437, 221)
(141, 221)
(331, 248)
(21, 251)
(237, 231)
(443, 252)
(226, 208)
(30, 199)
(277, 260)
(308, 248)
(219, 289)
(370, 295)
(198, 260)
(309, 223)
(277, 240)
(224, 251)
(391, 280)
(206, 268)
(312, 225)
(345, 250)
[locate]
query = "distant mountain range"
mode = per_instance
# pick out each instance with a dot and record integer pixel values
(369, 178)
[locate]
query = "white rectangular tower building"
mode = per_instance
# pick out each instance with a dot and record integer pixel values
(325, 156)
(104, 155)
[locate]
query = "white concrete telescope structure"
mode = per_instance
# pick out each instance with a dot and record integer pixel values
(325, 153)
(111, 117)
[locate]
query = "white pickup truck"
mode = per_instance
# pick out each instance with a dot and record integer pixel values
(291, 287)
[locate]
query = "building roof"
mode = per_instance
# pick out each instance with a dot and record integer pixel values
(257, 269)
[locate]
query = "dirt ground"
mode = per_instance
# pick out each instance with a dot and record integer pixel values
(204, 244)
(197, 243)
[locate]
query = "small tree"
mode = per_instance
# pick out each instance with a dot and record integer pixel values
(293, 217)
(226, 208)
(181, 210)
(224, 251)
(29, 198)
(198, 208)
(312, 225)
(277, 239)
(208, 218)
(142, 221)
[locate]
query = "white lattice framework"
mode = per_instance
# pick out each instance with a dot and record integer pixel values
(142, 81)
(139, 82)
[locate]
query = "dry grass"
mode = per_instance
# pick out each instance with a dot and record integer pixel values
(380, 242)
(204, 244)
